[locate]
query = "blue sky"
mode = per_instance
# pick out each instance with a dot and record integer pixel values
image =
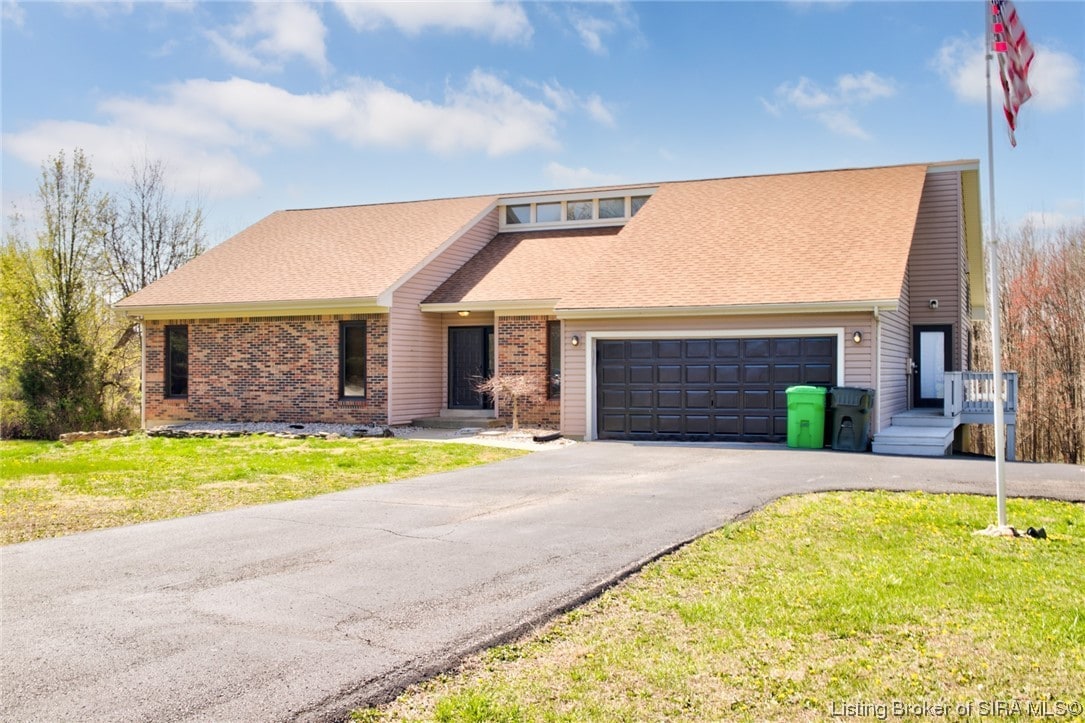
(263, 106)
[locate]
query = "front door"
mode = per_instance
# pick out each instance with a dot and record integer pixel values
(470, 361)
(932, 350)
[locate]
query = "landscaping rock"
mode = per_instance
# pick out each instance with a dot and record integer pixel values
(90, 436)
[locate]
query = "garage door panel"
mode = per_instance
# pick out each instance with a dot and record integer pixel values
(669, 374)
(757, 399)
(727, 399)
(669, 398)
(756, 374)
(698, 349)
(726, 373)
(756, 426)
(698, 374)
(698, 424)
(818, 374)
(705, 389)
(698, 399)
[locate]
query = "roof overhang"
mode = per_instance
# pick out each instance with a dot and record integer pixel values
(247, 309)
(522, 306)
(732, 309)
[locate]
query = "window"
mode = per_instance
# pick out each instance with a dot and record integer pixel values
(520, 213)
(176, 361)
(611, 208)
(580, 210)
(547, 212)
(553, 360)
(352, 360)
(635, 203)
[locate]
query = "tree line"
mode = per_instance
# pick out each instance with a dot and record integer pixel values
(1042, 288)
(67, 361)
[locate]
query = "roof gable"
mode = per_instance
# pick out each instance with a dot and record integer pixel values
(349, 253)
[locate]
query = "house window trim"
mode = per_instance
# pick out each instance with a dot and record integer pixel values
(550, 342)
(168, 366)
(343, 326)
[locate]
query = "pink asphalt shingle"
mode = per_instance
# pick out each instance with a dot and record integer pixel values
(834, 236)
(350, 252)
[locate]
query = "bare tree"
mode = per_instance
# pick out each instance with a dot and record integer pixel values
(148, 234)
(1043, 328)
(515, 387)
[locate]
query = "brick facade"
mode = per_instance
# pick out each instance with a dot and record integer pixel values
(276, 369)
(521, 349)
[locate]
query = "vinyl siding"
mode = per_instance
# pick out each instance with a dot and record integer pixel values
(896, 349)
(858, 358)
(417, 348)
(936, 262)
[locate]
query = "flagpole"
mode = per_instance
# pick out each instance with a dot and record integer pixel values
(996, 307)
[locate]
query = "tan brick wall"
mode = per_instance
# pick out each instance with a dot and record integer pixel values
(521, 349)
(276, 369)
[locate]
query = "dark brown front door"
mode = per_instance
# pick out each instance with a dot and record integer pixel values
(470, 360)
(932, 352)
(705, 389)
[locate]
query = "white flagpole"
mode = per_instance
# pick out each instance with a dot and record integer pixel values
(996, 308)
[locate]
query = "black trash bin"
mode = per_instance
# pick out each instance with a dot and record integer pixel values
(851, 418)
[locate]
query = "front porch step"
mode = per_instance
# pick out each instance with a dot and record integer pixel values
(934, 441)
(934, 421)
(458, 422)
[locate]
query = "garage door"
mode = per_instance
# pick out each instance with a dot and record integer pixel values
(721, 390)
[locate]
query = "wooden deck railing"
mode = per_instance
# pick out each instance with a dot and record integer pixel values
(973, 393)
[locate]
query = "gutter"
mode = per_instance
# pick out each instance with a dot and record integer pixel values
(245, 309)
(729, 310)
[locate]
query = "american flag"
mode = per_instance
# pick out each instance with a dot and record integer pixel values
(1015, 54)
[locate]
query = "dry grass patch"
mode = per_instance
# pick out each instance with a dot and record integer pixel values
(813, 602)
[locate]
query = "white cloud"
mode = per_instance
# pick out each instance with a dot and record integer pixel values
(565, 100)
(832, 107)
(201, 127)
(595, 29)
(577, 177)
(1054, 76)
(500, 21)
(1047, 222)
(13, 13)
(599, 111)
(272, 33)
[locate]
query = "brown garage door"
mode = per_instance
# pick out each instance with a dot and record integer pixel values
(720, 390)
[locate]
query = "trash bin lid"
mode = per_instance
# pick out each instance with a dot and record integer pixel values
(804, 389)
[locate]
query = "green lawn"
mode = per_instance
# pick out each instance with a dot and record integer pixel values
(50, 489)
(813, 603)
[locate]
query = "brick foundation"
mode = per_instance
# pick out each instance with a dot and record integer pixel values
(521, 349)
(276, 369)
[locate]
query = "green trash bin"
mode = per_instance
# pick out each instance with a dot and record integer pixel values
(806, 417)
(851, 418)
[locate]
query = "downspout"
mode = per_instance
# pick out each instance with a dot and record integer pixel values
(877, 370)
(142, 374)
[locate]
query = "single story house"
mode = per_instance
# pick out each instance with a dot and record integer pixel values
(675, 310)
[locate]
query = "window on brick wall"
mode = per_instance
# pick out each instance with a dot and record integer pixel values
(176, 361)
(352, 360)
(553, 359)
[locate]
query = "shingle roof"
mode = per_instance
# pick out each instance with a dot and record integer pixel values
(806, 238)
(535, 265)
(832, 236)
(328, 253)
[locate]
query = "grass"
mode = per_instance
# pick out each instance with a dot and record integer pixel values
(810, 604)
(50, 489)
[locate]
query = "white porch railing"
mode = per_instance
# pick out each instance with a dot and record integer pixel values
(973, 393)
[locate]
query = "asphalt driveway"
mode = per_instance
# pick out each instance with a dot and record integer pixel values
(303, 610)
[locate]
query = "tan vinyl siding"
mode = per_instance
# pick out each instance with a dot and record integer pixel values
(936, 264)
(858, 358)
(896, 349)
(417, 341)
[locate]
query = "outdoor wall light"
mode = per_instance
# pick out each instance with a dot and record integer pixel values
(575, 341)
(464, 313)
(933, 303)
(857, 337)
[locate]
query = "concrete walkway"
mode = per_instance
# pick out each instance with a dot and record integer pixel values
(303, 610)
